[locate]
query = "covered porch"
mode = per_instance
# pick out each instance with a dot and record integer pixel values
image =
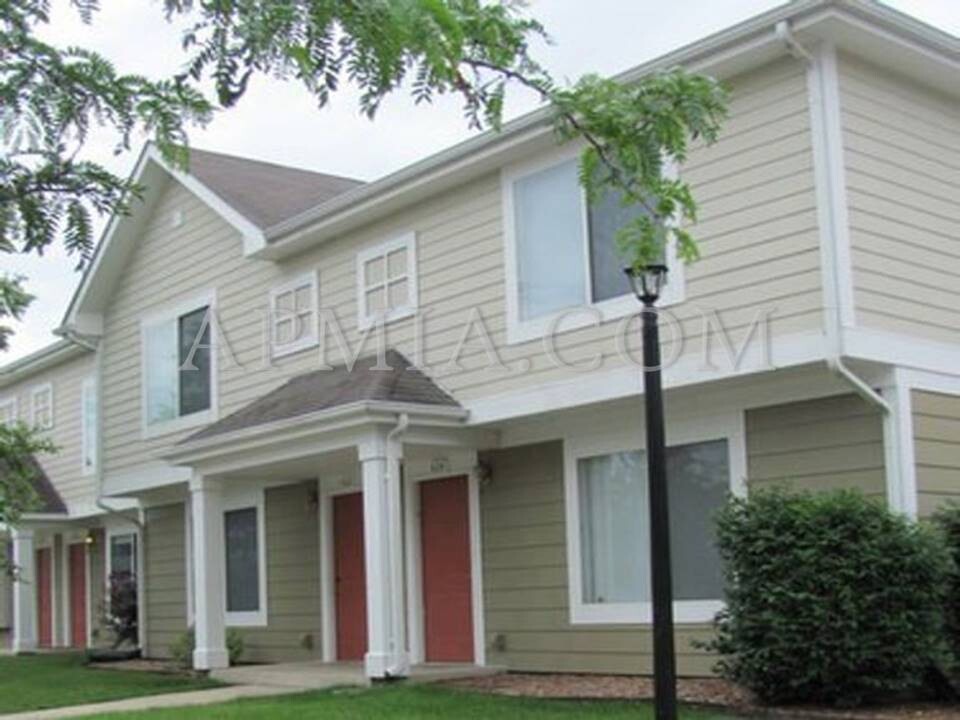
(386, 474)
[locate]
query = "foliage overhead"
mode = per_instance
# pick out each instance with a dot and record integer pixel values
(831, 598)
(19, 446)
(630, 131)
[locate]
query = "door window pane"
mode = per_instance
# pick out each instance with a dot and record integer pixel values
(243, 562)
(123, 555)
(549, 228)
(194, 362)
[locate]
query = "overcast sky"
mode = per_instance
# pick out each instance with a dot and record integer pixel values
(279, 123)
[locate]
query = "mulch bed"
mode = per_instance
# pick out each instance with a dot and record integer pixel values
(711, 692)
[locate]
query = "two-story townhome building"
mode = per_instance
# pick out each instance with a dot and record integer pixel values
(401, 421)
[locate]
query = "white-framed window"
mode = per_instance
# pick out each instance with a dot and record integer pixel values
(387, 281)
(8, 411)
(41, 406)
(608, 532)
(122, 554)
(89, 425)
(179, 366)
(293, 315)
(245, 548)
(561, 250)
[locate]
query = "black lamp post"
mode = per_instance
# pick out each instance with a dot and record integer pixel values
(647, 284)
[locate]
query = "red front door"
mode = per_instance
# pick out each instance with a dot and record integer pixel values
(447, 585)
(44, 598)
(78, 595)
(351, 583)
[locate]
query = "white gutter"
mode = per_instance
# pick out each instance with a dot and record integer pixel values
(395, 516)
(827, 199)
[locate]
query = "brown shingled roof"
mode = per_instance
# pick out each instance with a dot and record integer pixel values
(49, 500)
(262, 192)
(325, 389)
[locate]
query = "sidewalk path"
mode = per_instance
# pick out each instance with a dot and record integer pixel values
(151, 702)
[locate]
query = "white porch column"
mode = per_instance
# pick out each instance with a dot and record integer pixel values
(209, 563)
(387, 654)
(24, 592)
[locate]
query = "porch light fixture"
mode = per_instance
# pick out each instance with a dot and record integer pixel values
(648, 283)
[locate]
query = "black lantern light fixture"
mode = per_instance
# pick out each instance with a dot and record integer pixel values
(648, 283)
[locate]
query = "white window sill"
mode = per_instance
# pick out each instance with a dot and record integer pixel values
(185, 422)
(581, 316)
(246, 619)
(401, 313)
(292, 348)
(684, 612)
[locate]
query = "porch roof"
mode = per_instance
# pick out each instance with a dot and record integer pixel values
(322, 390)
(49, 500)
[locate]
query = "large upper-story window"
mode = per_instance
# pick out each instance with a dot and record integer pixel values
(387, 281)
(41, 406)
(179, 367)
(561, 250)
(609, 534)
(89, 423)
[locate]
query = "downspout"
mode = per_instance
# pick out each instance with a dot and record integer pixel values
(831, 272)
(397, 668)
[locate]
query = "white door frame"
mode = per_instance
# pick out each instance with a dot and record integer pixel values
(328, 578)
(463, 466)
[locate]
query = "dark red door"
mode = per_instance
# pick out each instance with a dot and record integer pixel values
(349, 567)
(44, 598)
(78, 595)
(447, 586)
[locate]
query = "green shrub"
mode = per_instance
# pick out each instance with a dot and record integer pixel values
(182, 648)
(831, 598)
(948, 521)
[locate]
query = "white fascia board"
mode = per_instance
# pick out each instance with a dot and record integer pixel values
(85, 321)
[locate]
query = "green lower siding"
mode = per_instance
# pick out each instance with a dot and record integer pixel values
(936, 433)
(165, 566)
(525, 579)
(822, 444)
(293, 579)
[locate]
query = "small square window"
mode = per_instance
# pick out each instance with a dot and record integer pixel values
(293, 315)
(41, 409)
(8, 411)
(387, 282)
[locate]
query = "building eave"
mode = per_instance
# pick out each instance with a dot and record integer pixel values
(44, 358)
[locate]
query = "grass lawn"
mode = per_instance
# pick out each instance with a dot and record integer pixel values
(34, 682)
(413, 702)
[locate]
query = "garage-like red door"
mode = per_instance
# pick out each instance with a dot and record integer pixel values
(44, 598)
(447, 584)
(349, 567)
(78, 595)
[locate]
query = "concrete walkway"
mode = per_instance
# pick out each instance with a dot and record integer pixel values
(153, 702)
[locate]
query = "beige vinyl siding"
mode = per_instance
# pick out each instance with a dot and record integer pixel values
(936, 436)
(902, 158)
(758, 233)
(821, 444)
(525, 580)
(64, 467)
(293, 579)
(165, 571)
(98, 587)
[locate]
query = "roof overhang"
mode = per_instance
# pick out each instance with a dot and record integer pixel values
(85, 313)
(47, 357)
(327, 431)
(867, 28)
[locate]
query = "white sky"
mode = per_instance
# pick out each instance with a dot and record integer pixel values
(278, 122)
